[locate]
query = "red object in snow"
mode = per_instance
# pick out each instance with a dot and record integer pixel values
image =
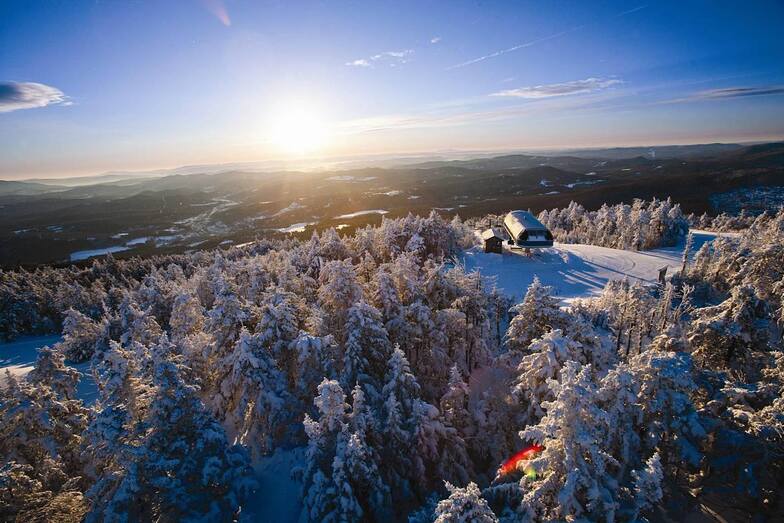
(527, 453)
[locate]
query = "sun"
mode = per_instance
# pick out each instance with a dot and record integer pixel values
(297, 128)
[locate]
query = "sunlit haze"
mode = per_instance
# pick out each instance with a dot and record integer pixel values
(88, 87)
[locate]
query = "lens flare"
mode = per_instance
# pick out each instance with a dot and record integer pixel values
(218, 9)
(526, 454)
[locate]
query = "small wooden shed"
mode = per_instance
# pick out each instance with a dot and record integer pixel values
(493, 239)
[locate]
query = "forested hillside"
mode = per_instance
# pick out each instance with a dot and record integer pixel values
(408, 382)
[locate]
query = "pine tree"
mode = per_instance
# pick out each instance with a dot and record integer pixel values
(648, 485)
(187, 316)
(50, 371)
(464, 505)
(386, 299)
(251, 398)
(82, 337)
(546, 358)
(535, 315)
(398, 423)
(440, 449)
(40, 438)
(338, 291)
(574, 472)
(367, 349)
(454, 404)
(669, 420)
(122, 402)
(318, 487)
(726, 335)
(184, 468)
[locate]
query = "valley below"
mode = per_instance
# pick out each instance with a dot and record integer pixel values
(175, 213)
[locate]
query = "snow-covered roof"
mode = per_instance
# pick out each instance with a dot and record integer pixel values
(518, 221)
(493, 231)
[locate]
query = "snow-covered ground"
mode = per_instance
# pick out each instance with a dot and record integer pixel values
(576, 270)
(360, 213)
(278, 495)
(19, 357)
(297, 227)
(83, 255)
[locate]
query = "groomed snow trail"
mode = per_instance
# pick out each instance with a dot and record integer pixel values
(576, 270)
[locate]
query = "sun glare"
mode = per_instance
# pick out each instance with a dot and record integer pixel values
(297, 129)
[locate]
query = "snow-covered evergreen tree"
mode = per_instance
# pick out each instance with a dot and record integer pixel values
(367, 350)
(574, 473)
(81, 336)
(251, 397)
(535, 315)
(544, 361)
(648, 485)
(41, 428)
(464, 505)
(338, 291)
(184, 468)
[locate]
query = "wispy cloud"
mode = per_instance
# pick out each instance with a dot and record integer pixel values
(630, 11)
(361, 62)
(739, 92)
(728, 93)
(435, 39)
(29, 95)
(588, 85)
(469, 112)
(514, 48)
(389, 58)
(531, 43)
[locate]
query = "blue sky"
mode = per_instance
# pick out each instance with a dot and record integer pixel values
(87, 87)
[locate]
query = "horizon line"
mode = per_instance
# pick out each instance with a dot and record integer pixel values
(387, 156)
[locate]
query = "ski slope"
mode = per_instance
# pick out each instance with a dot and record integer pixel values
(576, 270)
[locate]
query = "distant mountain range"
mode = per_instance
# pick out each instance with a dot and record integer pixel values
(475, 159)
(205, 206)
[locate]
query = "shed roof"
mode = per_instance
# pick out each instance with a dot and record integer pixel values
(493, 232)
(518, 221)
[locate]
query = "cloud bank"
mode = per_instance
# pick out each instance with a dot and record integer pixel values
(588, 85)
(28, 95)
(390, 58)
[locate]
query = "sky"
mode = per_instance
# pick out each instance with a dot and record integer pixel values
(93, 86)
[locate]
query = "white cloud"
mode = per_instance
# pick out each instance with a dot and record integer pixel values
(588, 85)
(390, 58)
(435, 39)
(359, 63)
(28, 95)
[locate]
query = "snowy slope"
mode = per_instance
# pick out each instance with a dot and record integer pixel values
(576, 270)
(19, 358)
